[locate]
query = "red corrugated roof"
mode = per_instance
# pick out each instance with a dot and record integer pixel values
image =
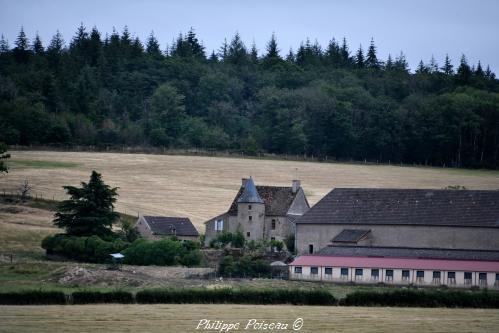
(401, 263)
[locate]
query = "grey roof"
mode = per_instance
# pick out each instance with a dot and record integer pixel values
(370, 206)
(277, 199)
(164, 225)
(351, 235)
(405, 252)
(250, 194)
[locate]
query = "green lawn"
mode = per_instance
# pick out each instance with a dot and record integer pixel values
(39, 164)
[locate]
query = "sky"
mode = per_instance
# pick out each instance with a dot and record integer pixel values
(419, 28)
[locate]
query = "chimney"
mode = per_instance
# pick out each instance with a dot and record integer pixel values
(295, 186)
(243, 182)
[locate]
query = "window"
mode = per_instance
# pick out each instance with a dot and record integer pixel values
(467, 278)
(344, 272)
(248, 234)
(310, 248)
(359, 271)
(482, 279)
(329, 271)
(375, 274)
(249, 207)
(497, 276)
(272, 238)
(219, 225)
(451, 277)
(314, 270)
(389, 275)
(250, 218)
(420, 276)
(436, 277)
(273, 224)
(405, 275)
(297, 270)
(496, 284)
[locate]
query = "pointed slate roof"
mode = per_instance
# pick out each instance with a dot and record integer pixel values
(250, 194)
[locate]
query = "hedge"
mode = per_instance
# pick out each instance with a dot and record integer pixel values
(423, 298)
(89, 297)
(236, 296)
(33, 297)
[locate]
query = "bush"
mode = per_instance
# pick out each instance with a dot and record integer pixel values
(164, 252)
(246, 266)
(91, 249)
(424, 298)
(236, 296)
(89, 297)
(290, 243)
(33, 297)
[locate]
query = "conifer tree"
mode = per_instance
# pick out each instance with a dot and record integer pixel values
(290, 57)
(237, 53)
(345, 53)
(479, 70)
(447, 67)
(433, 67)
(21, 50)
(359, 57)
(464, 72)
(372, 59)
(272, 50)
(4, 45)
(333, 53)
(389, 62)
(254, 53)
(152, 46)
(224, 50)
(196, 48)
(37, 46)
(89, 210)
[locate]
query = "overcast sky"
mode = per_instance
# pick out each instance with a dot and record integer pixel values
(419, 28)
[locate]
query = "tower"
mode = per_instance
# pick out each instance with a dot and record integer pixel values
(251, 212)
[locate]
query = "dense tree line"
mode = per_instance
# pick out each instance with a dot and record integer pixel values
(322, 101)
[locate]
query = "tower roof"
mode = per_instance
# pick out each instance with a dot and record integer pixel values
(250, 194)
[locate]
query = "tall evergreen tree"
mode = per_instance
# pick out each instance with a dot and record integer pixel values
(89, 210)
(389, 62)
(272, 50)
(359, 58)
(152, 46)
(4, 45)
(464, 72)
(3, 156)
(479, 71)
(447, 68)
(254, 53)
(21, 50)
(345, 52)
(433, 67)
(37, 46)
(371, 59)
(237, 53)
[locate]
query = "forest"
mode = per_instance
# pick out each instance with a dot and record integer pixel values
(332, 102)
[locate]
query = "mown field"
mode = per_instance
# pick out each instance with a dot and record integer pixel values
(202, 187)
(185, 318)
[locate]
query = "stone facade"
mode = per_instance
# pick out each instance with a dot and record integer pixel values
(147, 232)
(261, 212)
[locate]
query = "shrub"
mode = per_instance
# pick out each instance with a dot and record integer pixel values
(33, 297)
(424, 298)
(236, 296)
(164, 252)
(290, 243)
(89, 297)
(246, 266)
(92, 249)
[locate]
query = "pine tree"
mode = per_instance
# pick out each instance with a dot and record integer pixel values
(272, 50)
(433, 67)
(4, 45)
(401, 63)
(89, 210)
(224, 50)
(479, 71)
(152, 46)
(422, 69)
(196, 48)
(359, 57)
(254, 53)
(447, 67)
(56, 43)
(464, 72)
(95, 47)
(213, 57)
(333, 53)
(372, 59)
(37, 46)
(3, 156)
(345, 52)
(22, 43)
(389, 62)
(489, 74)
(291, 56)
(237, 53)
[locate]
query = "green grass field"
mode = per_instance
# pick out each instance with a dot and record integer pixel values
(39, 164)
(186, 317)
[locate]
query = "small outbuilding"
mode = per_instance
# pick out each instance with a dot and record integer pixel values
(158, 227)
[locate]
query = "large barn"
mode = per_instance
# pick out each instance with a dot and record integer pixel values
(404, 236)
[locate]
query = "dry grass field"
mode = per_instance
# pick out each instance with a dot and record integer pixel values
(202, 187)
(185, 318)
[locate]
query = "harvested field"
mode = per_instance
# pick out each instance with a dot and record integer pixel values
(202, 187)
(185, 318)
